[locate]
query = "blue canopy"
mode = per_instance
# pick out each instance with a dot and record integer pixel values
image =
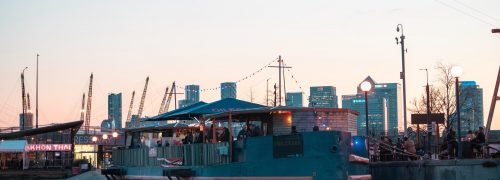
(166, 116)
(223, 105)
(12, 145)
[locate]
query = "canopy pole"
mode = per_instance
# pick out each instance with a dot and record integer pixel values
(202, 130)
(230, 124)
(214, 133)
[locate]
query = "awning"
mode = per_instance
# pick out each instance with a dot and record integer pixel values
(178, 125)
(12, 146)
(75, 125)
(167, 115)
(223, 105)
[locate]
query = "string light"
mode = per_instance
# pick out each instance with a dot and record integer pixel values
(238, 81)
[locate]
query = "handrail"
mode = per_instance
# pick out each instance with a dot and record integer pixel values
(394, 150)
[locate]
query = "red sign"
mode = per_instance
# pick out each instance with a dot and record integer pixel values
(48, 147)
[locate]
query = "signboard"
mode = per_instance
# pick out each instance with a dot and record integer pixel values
(47, 147)
(288, 146)
(153, 152)
(87, 139)
(422, 118)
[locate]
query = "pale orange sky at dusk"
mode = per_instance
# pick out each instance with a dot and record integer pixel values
(335, 43)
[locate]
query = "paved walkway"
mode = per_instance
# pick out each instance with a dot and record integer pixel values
(91, 175)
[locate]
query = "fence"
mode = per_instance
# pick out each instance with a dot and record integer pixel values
(191, 154)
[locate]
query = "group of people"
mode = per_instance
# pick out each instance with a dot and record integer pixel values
(402, 150)
(476, 138)
(249, 131)
(180, 137)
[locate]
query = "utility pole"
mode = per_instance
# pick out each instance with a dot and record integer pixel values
(274, 104)
(402, 74)
(281, 68)
(37, 90)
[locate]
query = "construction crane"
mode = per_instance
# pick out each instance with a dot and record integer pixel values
(82, 111)
(89, 105)
(23, 93)
(141, 105)
(130, 109)
(167, 104)
(28, 102)
(163, 102)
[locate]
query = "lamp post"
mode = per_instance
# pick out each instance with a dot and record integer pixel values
(365, 87)
(114, 135)
(429, 124)
(402, 75)
(456, 72)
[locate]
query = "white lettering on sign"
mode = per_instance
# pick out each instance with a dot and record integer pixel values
(48, 147)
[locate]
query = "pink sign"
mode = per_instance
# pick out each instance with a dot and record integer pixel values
(48, 147)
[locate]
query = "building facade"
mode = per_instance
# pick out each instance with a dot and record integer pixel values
(115, 110)
(228, 90)
(384, 108)
(471, 106)
(294, 99)
(323, 96)
(192, 93)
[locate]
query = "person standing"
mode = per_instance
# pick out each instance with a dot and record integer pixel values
(409, 146)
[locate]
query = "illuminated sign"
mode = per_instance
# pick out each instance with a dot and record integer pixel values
(48, 147)
(358, 101)
(87, 139)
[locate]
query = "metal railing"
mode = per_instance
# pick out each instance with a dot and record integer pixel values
(381, 151)
(191, 154)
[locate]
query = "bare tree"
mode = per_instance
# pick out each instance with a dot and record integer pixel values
(442, 95)
(447, 97)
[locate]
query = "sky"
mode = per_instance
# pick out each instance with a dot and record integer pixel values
(327, 42)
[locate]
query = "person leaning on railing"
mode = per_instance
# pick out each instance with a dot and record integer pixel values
(409, 147)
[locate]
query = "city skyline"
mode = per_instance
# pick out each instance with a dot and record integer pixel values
(320, 41)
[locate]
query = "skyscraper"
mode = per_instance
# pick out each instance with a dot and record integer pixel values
(115, 110)
(294, 99)
(192, 93)
(28, 123)
(228, 90)
(384, 107)
(471, 106)
(323, 96)
(377, 113)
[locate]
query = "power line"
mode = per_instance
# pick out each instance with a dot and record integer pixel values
(238, 81)
(296, 81)
(476, 10)
(465, 13)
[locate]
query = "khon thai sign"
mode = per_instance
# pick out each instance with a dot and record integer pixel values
(47, 147)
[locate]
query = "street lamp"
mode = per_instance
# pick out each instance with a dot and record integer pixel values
(94, 139)
(429, 124)
(104, 136)
(402, 75)
(456, 72)
(115, 134)
(365, 87)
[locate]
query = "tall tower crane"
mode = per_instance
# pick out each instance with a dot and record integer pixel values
(89, 105)
(129, 114)
(82, 111)
(23, 93)
(163, 102)
(141, 106)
